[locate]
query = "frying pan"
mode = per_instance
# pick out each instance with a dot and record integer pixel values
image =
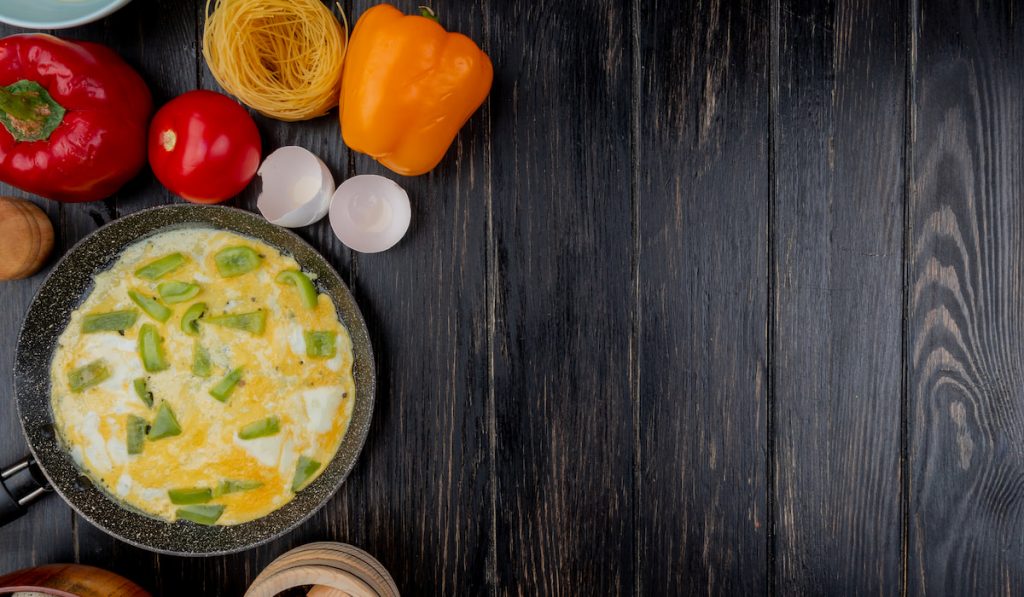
(50, 464)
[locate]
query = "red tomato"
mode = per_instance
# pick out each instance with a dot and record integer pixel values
(204, 146)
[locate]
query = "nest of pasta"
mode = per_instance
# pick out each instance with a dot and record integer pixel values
(282, 58)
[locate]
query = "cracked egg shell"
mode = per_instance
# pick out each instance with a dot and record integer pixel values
(297, 187)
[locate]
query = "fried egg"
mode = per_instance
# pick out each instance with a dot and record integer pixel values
(243, 448)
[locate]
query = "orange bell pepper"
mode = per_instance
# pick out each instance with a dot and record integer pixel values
(408, 88)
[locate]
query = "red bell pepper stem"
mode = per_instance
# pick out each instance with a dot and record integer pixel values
(28, 112)
(17, 106)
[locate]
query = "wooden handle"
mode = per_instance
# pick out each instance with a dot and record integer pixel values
(26, 238)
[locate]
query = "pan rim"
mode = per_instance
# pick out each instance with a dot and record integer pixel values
(350, 314)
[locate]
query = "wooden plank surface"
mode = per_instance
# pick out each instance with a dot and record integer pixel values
(966, 307)
(562, 315)
(703, 224)
(660, 324)
(837, 275)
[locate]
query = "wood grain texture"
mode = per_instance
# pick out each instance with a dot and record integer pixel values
(966, 302)
(563, 303)
(837, 279)
(703, 193)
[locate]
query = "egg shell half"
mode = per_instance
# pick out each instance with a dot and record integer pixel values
(297, 187)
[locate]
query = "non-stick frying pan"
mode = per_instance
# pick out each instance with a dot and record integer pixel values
(63, 290)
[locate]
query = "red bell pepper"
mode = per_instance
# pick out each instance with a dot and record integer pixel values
(73, 115)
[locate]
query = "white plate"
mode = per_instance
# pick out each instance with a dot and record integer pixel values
(55, 14)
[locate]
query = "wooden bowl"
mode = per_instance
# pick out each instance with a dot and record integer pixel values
(69, 580)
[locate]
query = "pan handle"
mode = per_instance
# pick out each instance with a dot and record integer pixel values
(16, 498)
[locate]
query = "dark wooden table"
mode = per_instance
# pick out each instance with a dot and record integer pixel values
(709, 297)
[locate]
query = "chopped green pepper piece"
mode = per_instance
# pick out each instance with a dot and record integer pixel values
(177, 292)
(234, 486)
(165, 424)
(201, 514)
(136, 434)
(154, 270)
(262, 428)
(150, 305)
(253, 322)
(190, 495)
(304, 470)
(201, 366)
(88, 375)
(151, 349)
(224, 387)
(142, 391)
(235, 261)
(320, 345)
(114, 321)
(190, 320)
(307, 292)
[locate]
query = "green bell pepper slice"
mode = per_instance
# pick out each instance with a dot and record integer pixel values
(154, 270)
(262, 428)
(150, 305)
(151, 349)
(190, 495)
(142, 391)
(114, 321)
(253, 322)
(320, 345)
(304, 470)
(190, 320)
(235, 261)
(222, 391)
(201, 365)
(136, 434)
(307, 292)
(200, 514)
(177, 292)
(165, 424)
(235, 486)
(88, 375)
